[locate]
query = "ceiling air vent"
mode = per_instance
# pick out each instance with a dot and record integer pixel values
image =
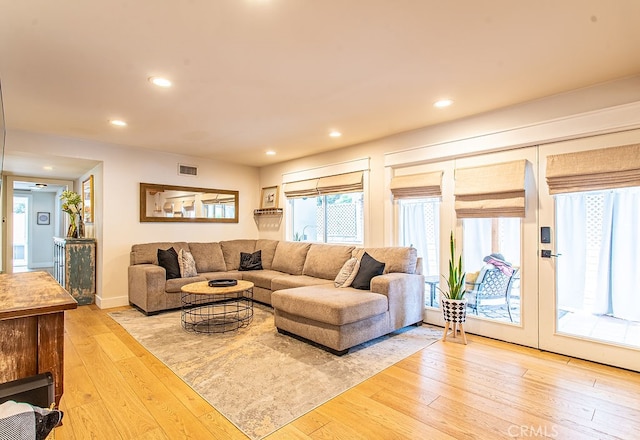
(187, 170)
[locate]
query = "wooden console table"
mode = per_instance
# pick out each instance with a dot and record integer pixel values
(32, 306)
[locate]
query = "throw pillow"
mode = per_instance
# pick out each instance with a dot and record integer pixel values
(369, 268)
(251, 261)
(168, 259)
(348, 268)
(187, 264)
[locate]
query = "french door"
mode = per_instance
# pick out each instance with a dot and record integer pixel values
(513, 238)
(588, 309)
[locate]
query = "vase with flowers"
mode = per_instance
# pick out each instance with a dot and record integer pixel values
(72, 205)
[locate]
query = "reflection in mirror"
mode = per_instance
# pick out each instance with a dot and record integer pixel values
(166, 203)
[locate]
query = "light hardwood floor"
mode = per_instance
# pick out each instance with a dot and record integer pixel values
(115, 389)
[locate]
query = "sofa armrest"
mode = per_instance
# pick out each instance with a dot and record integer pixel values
(146, 286)
(405, 293)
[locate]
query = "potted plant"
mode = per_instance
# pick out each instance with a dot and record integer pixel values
(454, 304)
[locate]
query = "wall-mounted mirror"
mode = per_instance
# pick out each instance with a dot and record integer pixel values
(166, 203)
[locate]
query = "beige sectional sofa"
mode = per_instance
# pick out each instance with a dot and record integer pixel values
(297, 280)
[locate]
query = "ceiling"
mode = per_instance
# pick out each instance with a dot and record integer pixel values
(256, 75)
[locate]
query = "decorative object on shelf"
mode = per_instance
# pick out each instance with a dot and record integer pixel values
(72, 205)
(269, 198)
(80, 227)
(454, 304)
(87, 200)
(43, 218)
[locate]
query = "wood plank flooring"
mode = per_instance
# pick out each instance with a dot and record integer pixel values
(115, 389)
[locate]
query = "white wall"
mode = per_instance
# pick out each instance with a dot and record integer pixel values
(604, 108)
(41, 256)
(116, 186)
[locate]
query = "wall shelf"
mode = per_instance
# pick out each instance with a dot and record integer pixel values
(268, 212)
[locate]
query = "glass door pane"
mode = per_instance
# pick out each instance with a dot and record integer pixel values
(598, 262)
(492, 248)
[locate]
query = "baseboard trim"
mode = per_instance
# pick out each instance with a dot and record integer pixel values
(108, 303)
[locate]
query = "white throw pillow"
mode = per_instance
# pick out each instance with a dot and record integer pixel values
(347, 273)
(187, 264)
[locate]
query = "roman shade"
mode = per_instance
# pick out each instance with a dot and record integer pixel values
(218, 201)
(605, 168)
(168, 207)
(489, 191)
(188, 205)
(417, 185)
(338, 184)
(301, 188)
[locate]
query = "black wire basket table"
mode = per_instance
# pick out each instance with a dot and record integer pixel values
(207, 309)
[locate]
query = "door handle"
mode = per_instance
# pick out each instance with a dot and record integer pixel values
(545, 253)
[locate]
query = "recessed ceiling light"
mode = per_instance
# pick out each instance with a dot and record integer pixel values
(443, 103)
(47, 167)
(271, 153)
(335, 134)
(118, 122)
(160, 82)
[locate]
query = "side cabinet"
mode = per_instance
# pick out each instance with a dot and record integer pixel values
(74, 267)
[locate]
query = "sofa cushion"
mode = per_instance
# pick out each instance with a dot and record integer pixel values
(396, 259)
(168, 258)
(268, 248)
(347, 273)
(261, 278)
(147, 253)
(326, 260)
(368, 268)
(250, 261)
(290, 256)
(174, 285)
(208, 256)
(286, 281)
(231, 250)
(233, 274)
(187, 264)
(329, 305)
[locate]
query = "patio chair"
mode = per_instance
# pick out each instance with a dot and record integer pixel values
(492, 287)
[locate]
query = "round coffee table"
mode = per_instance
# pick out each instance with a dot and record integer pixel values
(216, 309)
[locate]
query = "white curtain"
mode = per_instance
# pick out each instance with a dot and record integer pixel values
(509, 246)
(605, 280)
(476, 242)
(619, 275)
(571, 240)
(414, 231)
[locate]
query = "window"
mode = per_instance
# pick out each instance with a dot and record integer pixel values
(333, 218)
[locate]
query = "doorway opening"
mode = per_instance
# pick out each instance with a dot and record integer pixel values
(21, 208)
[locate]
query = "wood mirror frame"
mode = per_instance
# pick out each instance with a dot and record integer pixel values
(167, 203)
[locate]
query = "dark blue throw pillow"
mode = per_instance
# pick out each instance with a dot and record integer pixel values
(369, 268)
(169, 260)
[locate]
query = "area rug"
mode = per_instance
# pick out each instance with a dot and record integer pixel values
(259, 379)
